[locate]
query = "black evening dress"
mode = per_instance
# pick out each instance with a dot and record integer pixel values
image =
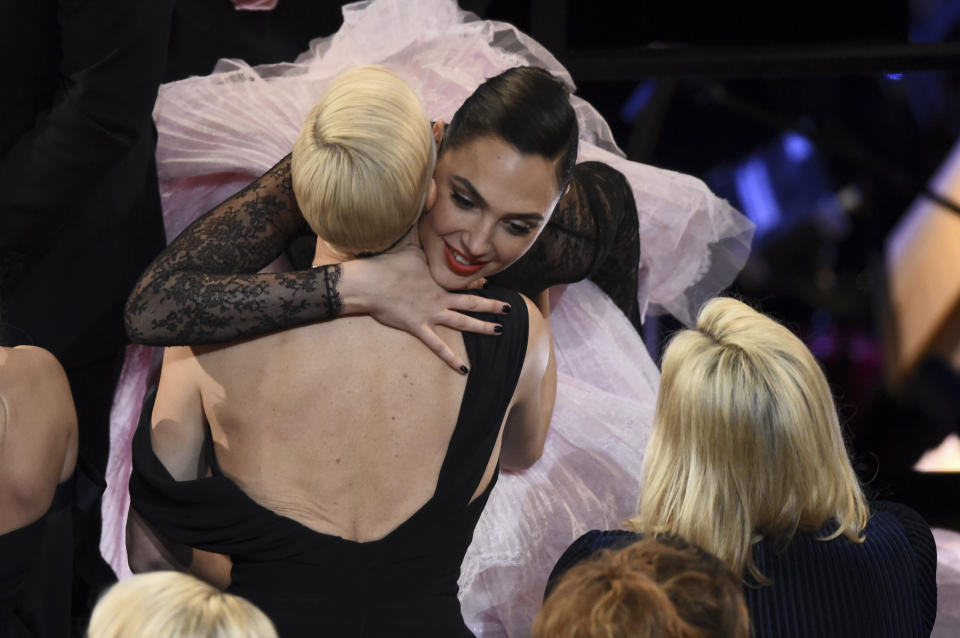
(36, 572)
(309, 583)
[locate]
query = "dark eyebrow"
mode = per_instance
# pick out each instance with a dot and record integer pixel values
(534, 217)
(465, 184)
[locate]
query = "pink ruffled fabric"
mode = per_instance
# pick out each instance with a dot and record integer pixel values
(217, 132)
(244, 119)
(138, 366)
(254, 5)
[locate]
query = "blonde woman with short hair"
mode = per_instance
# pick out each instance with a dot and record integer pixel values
(747, 460)
(362, 166)
(170, 604)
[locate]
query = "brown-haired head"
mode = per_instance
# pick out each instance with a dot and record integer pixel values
(650, 589)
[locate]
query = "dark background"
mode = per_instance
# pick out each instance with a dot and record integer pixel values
(825, 101)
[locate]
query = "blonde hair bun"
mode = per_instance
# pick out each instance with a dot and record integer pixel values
(363, 162)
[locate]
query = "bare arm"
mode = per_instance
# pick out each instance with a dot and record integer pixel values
(529, 419)
(204, 287)
(176, 435)
(148, 551)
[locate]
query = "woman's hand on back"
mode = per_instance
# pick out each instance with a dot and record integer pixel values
(397, 290)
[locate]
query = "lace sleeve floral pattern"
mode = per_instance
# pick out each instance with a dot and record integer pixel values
(204, 287)
(193, 294)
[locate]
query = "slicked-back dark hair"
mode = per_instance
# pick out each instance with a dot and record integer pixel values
(526, 107)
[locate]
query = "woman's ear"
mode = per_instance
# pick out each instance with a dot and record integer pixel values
(438, 128)
(431, 194)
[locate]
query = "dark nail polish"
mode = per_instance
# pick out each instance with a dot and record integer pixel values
(498, 329)
(464, 369)
(506, 310)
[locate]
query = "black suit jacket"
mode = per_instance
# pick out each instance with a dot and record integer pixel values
(79, 204)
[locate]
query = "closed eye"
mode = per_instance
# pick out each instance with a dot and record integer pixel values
(461, 201)
(519, 228)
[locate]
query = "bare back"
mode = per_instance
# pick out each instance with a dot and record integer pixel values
(342, 426)
(38, 433)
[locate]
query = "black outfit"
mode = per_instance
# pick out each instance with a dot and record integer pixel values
(79, 203)
(404, 584)
(885, 586)
(192, 294)
(35, 570)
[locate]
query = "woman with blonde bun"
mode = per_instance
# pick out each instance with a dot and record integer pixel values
(747, 460)
(174, 605)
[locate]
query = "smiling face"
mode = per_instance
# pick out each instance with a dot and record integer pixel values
(492, 202)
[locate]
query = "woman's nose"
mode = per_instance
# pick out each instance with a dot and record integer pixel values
(479, 240)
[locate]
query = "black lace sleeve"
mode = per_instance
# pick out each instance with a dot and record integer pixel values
(594, 233)
(191, 294)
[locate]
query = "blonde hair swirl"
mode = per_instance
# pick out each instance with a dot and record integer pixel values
(746, 441)
(362, 164)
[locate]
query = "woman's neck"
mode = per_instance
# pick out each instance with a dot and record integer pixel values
(325, 254)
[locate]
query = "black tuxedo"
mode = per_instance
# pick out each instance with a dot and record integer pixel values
(79, 204)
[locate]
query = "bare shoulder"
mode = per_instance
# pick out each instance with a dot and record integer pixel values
(38, 439)
(35, 380)
(48, 388)
(37, 365)
(537, 357)
(538, 332)
(529, 418)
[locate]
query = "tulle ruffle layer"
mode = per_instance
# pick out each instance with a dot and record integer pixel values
(243, 119)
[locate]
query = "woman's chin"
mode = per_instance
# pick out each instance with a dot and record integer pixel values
(451, 281)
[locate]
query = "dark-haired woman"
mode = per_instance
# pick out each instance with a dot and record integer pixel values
(607, 382)
(38, 452)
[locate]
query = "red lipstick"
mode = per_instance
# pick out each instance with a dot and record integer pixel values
(460, 268)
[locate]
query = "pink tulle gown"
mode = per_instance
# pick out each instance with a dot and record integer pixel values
(216, 133)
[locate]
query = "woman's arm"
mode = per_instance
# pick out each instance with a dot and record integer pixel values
(192, 293)
(147, 551)
(529, 420)
(204, 287)
(177, 437)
